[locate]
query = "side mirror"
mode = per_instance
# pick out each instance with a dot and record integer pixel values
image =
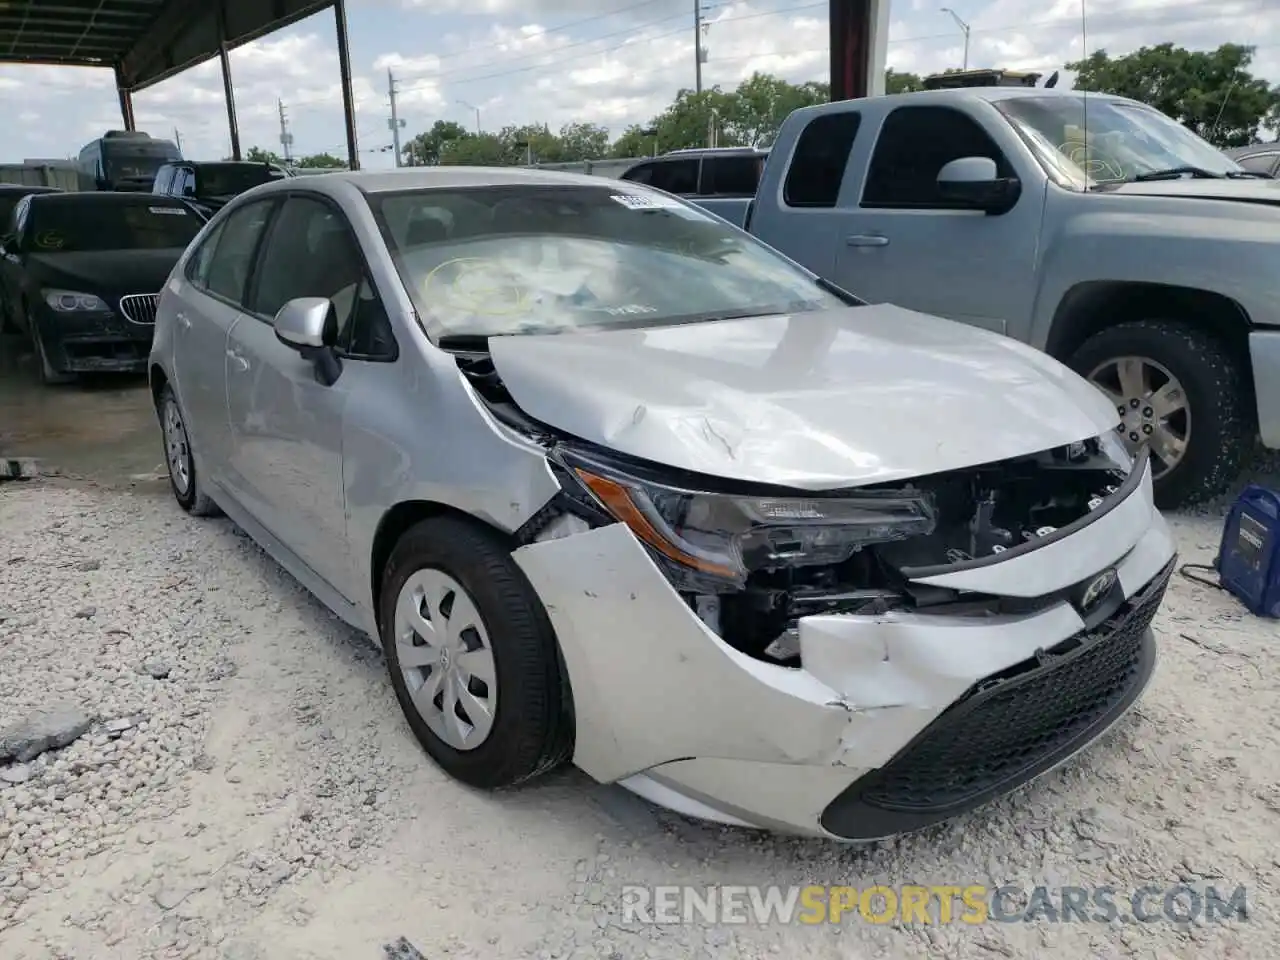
(306, 323)
(976, 182)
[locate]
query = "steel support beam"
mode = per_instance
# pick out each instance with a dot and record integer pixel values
(859, 38)
(348, 96)
(228, 91)
(126, 99)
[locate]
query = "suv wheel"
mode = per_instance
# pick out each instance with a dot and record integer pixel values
(1177, 389)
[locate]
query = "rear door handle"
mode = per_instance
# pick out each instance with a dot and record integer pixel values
(183, 319)
(867, 240)
(237, 359)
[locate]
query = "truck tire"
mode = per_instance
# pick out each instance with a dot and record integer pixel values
(1179, 389)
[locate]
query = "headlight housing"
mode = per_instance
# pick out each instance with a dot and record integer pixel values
(1114, 449)
(702, 536)
(69, 301)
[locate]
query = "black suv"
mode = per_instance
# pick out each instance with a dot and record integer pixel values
(207, 186)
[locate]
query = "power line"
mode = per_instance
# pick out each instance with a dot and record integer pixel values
(1114, 23)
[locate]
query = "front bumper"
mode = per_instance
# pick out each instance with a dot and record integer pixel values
(891, 722)
(94, 342)
(1264, 355)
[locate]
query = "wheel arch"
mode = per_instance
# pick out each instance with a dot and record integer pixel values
(397, 521)
(1090, 307)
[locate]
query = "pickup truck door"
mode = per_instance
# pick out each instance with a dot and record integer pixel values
(902, 243)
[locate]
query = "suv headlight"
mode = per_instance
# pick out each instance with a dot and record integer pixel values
(725, 537)
(68, 301)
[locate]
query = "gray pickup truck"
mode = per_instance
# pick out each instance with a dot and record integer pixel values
(1091, 227)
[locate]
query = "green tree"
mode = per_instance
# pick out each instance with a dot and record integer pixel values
(321, 161)
(636, 141)
(532, 141)
(694, 119)
(583, 141)
(1212, 92)
(426, 148)
(763, 101)
(477, 149)
(258, 155)
(895, 82)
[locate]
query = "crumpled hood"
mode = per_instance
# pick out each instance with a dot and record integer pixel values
(814, 400)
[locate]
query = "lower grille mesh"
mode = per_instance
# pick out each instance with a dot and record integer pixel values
(1002, 728)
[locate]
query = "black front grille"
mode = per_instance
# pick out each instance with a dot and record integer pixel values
(1010, 727)
(140, 307)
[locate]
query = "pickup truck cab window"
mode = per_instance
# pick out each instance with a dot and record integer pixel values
(915, 143)
(822, 153)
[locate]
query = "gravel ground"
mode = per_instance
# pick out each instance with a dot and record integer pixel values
(243, 785)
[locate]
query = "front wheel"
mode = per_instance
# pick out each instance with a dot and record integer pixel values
(1178, 390)
(472, 655)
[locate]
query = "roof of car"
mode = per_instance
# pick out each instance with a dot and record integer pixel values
(1253, 148)
(109, 196)
(435, 178)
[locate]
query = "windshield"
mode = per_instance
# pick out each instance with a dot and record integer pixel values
(535, 259)
(229, 179)
(1124, 140)
(136, 161)
(71, 227)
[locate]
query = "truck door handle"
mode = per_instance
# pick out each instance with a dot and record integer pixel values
(237, 359)
(867, 240)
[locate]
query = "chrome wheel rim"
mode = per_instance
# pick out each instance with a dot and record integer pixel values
(445, 658)
(1153, 408)
(177, 449)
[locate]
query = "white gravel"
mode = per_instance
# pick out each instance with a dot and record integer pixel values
(248, 789)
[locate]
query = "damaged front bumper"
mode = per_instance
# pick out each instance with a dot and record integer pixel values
(95, 343)
(890, 721)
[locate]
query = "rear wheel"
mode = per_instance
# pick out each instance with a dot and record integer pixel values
(472, 655)
(1178, 390)
(179, 459)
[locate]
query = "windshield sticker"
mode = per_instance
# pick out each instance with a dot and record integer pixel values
(169, 211)
(633, 201)
(50, 240)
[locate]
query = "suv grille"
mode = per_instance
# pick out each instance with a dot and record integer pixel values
(1004, 727)
(140, 307)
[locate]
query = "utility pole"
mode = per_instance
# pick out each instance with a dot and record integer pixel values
(177, 138)
(964, 28)
(395, 123)
(697, 46)
(477, 112)
(286, 138)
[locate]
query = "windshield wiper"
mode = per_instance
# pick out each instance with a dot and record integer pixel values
(1196, 173)
(1248, 175)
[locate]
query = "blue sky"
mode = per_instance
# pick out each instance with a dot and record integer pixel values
(611, 62)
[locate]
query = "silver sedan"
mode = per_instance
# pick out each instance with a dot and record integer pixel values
(613, 482)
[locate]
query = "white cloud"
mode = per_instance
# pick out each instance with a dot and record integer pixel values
(557, 61)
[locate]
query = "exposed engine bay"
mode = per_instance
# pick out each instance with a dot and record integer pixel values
(973, 514)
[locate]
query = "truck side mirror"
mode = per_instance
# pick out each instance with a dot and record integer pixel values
(976, 182)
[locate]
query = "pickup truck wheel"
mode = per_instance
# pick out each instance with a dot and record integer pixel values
(1177, 389)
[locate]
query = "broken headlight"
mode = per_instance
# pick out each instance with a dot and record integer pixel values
(702, 536)
(1113, 448)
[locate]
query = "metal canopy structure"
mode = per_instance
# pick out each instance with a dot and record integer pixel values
(147, 41)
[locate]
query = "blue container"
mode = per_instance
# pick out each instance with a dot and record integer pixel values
(1248, 561)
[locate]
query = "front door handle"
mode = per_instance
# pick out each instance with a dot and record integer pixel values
(183, 319)
(867, 240)
(238, 360)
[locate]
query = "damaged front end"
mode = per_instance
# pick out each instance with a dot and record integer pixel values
(752, 563)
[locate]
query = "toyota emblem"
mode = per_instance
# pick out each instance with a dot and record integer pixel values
(1097, 589)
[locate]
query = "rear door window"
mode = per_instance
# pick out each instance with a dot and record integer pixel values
(821, 155)
(227, 274)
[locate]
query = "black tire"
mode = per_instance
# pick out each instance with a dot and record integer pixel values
(1222, 427)
(190, 496)
(532, 729)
